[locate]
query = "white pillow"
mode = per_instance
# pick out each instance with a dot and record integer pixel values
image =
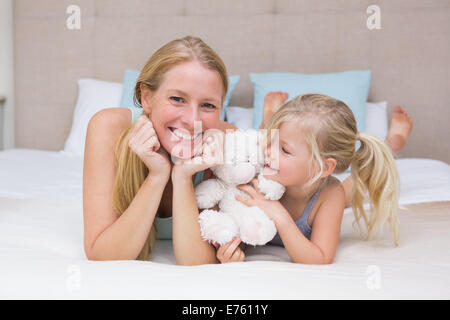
(240, 117)
(376, 118)
(93, 96)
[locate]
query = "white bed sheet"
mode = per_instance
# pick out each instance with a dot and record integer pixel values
(27, 173)
(41, 247)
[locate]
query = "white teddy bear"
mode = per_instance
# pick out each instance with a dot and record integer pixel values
(243, 160)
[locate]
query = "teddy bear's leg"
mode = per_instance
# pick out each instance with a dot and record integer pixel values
(208, 193)
(255, 226)
(217, 226)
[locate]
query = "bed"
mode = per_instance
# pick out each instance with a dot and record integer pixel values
(41, 246)
(41, 221)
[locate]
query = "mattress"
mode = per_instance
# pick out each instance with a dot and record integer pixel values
(42, 256)
(29, 173)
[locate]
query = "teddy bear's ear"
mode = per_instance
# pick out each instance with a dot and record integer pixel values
(253, 146)
(242, 173)
(228, 147)
(235, 147)
(244, 146)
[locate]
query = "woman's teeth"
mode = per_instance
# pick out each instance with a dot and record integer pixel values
(183, 135)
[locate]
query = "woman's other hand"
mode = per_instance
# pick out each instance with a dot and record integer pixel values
(208, 154)
(144, 142)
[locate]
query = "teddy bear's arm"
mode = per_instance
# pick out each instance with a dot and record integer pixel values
(209, 193)
(272, 190)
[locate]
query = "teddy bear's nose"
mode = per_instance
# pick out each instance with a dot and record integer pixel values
(243, 173)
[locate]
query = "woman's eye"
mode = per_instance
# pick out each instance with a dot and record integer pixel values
(177, 99)
(284, 150)
(209, 106)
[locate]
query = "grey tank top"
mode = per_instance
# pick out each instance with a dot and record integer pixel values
(302, 222)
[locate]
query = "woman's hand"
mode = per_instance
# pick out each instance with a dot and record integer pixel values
(144, 142)
(273, 208)
(208, 154)
(230, 252)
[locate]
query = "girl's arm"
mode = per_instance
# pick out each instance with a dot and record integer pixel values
(326, 226)
(233, 251)
(325, 232)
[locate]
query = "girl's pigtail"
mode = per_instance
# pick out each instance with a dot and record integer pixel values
(375, 175)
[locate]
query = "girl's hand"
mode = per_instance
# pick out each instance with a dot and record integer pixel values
(144, 142)
(209, 154)
(230, 252)
(273, 208)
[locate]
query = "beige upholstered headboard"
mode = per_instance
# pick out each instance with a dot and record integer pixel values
(409, 56)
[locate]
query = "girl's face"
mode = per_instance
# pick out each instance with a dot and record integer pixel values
(288, 157)
(189, 94)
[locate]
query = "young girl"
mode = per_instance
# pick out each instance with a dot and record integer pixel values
(317, 136)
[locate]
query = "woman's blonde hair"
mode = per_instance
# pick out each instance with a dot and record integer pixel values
(131, 171)
(330, 131)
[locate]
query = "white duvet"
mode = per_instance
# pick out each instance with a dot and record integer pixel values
(41, 247)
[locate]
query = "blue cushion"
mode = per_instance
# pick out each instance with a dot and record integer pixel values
(351, 87)
(129, 82)
(232, 83)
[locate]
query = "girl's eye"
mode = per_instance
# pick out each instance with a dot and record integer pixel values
(284, 150)
(209, 106)
(177, 99)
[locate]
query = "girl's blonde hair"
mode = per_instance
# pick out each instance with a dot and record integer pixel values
(330, 131)
(131, 171)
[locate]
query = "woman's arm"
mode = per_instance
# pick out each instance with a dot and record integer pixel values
(322, 247)
(188, 245)
(106, 235)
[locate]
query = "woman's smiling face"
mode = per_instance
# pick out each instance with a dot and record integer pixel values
(190, 94)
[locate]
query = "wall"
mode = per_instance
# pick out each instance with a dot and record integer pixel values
(6, 71)
(409, 55)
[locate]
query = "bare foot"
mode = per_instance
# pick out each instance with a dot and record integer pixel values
(272, 102)
(401, 125)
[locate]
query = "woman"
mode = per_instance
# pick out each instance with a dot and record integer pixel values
(129, 179)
